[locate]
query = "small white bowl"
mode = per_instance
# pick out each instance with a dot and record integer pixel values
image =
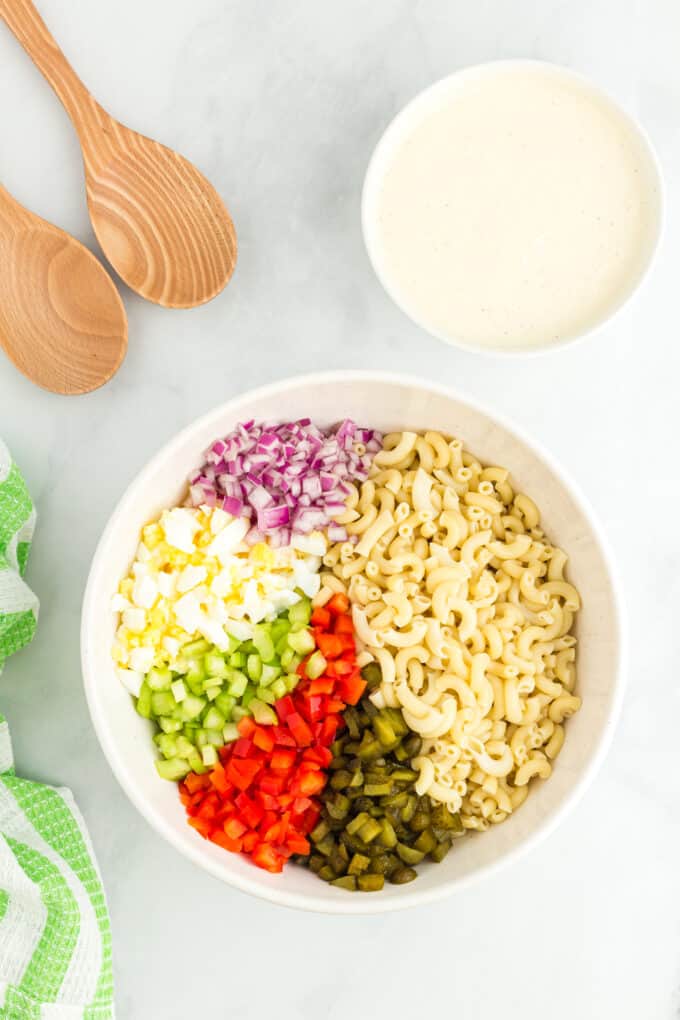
(386, 402)
(412, 115)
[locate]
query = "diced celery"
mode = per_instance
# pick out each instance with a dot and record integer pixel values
(162, 703)
(212, 692)
(214, 664)
(269, 675)
(213, 719)
(192, 707)
(316, 665)
(278, 688)
(209, 755)
(238, 684)
(239, 713)
(282, 644)
(195, 668)
(196, 763)
(290, 661)
(237, 659)
(143, 705)
(174, 769)
(159, 679)
(301, 642)
(195, 648)
(301, 612)
(254, 666)
(263, 642)
(230, 733)
(206, 736)
(194, 684)
(291, 681)
(248, 696)
(179, 691)
(185, 748)
(166, 744)
(262, 713)
(170, 725)
(225, 702)
(265, 694)
(234, 644)
(190, 733)
(278, 629)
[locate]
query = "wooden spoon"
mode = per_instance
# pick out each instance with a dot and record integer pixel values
(160, 223)
(62, 321)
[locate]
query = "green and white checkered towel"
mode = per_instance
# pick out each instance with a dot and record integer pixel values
(55, 937)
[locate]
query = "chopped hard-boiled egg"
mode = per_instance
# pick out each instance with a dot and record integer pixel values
(194, 576)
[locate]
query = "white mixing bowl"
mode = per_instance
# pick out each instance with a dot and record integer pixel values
(385, 402)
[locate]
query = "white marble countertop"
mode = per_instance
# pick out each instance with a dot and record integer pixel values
(280, 104)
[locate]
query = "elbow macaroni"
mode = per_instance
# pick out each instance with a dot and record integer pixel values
(464, 605)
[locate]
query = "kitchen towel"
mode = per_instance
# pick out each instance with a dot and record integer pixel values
(55, 937)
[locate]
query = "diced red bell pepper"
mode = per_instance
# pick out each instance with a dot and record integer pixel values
(299, 729)
(234, 828)
(283, 737)
(242, 747)
(321, 618)
(265, 856)
(282, 758)
(250, 841)
(194, 782)
(246, 726)
(201, 826)
(323, 684)
(226, 842)
(343, 625)
(263, 738)
(351, 688)
(218, 777)
(339, 667)
(320, 755)
(301, 804)
(330, 645)
(242, 771)
(317, 707)
(297, 844)
(309, 783)
(268, 801)
(284, 707)
(338, 604)
(272, 784)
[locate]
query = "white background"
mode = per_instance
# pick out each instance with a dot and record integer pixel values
(280, 104)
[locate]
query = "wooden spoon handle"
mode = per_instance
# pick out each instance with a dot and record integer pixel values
(25, 23)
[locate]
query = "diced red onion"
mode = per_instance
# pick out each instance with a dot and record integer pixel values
(232, 506)
(273, 517)
(288, 478)
(259, 497)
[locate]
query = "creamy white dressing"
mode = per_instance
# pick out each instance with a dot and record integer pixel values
(516, 208)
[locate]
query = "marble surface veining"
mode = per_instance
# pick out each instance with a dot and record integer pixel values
(280, 104)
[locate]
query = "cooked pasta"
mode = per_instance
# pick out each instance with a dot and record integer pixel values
(463, 603)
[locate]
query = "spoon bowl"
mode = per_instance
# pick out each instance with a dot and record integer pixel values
(160, 223)
(165, 232)
(62, 321)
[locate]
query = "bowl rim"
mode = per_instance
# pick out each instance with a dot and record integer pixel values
(373, 177)
(352, 905)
